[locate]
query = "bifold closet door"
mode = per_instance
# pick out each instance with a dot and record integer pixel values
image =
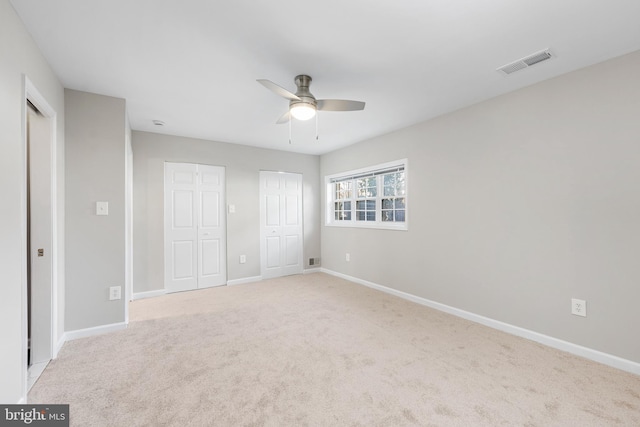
(195, 231)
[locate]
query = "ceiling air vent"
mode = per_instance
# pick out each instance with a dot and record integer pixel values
(525, 62)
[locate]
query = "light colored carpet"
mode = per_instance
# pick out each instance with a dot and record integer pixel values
(317, 350)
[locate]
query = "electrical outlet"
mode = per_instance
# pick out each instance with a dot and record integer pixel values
(579, 307)
(243, 259)
(115, 292)
(347, 257)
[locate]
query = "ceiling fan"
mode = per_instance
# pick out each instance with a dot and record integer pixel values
(303, 105)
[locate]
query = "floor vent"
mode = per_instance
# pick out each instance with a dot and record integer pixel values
(526, 62)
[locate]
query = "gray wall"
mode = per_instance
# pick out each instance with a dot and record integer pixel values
(243, 165)
(518, 204)
(19, 55)
(95, 167)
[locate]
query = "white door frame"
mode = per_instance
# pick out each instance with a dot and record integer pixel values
(34, 96)
(128, 206)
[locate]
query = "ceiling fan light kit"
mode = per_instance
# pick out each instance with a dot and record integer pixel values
(302, 110)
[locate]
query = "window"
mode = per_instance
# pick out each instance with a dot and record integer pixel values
(374, 197)
(342, 204)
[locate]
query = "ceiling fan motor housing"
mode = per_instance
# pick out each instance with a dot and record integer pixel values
(302, 82)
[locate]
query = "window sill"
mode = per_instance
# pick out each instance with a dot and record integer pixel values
(373, 225)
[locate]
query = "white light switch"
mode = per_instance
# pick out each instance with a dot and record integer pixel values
(232, 208)
(102, 208)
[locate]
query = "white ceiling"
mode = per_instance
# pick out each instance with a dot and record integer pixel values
(194, 63)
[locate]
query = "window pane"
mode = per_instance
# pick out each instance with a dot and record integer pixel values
(343, 190)
(387, 215)
(347, 216)
(399, 203)
(400, 216)
(361, 185)
(365, 215)
(366, 205)
(347, 206)
(400, 184)
(338, 206)
(387, 203)
(366, 187)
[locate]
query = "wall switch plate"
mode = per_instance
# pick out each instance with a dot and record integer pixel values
(232, 208)
(347, 257)
(102, 208)
(115, 292)
(243, 259)
(579, 307)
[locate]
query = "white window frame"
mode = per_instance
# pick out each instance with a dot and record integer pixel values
(360, 173)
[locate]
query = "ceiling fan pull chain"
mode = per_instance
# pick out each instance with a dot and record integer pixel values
(317, 126)
(289, 130)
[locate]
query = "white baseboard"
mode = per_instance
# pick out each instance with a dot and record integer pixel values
(244, 280)
(312, 270)
(89, 332)
(148, 294)
(578, 350)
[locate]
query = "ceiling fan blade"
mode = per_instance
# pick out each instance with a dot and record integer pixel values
(284, 118)
(339, 105)
(278, 90)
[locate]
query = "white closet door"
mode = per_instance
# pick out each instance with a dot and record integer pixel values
(281, 248)
(212, 250)
(195, 250)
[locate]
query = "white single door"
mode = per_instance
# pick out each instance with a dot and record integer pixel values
(281, 243)
(39, 231)
(195, 240)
